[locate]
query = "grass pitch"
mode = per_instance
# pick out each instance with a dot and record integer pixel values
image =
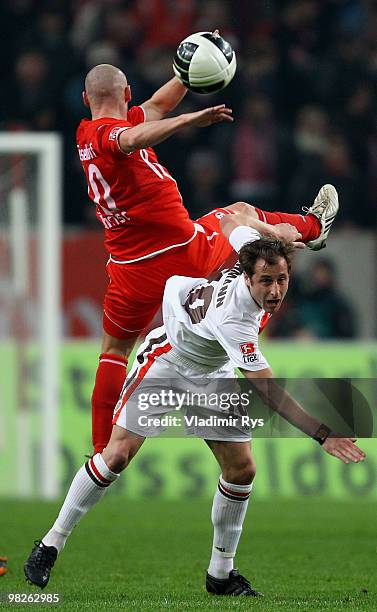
(304, 555)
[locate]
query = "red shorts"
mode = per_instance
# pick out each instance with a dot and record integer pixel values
(135, 291)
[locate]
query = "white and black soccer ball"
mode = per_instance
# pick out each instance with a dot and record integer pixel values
(205, 62)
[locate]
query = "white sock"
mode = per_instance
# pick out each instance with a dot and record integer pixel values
(87, 488)
(228, 512)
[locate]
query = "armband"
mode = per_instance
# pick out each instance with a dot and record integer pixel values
(322, 434)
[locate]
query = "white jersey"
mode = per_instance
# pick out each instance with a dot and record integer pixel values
(212, 323)
(209, 329)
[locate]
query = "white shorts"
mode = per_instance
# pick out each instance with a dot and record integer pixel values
(164, 392)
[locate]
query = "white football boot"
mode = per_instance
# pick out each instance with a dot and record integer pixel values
(324, 207)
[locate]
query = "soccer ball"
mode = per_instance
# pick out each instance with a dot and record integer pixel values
(204, 62)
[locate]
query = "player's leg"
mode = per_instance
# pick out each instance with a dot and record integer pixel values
(88, 487)
(314, 226)
(210, 250)
(308, 225)
(91, 483)
(110, 377)
(228, 513)
(230, 502)
(127, 312)
(94, 478)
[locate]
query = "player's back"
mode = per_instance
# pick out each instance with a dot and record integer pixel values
(211, 322)
(136, 199)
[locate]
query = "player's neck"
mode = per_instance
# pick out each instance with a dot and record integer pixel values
(110, 110)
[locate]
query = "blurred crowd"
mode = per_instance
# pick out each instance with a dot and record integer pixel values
(315, 308)
(304, 95)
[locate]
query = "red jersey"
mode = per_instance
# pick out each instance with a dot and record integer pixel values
(136, 199)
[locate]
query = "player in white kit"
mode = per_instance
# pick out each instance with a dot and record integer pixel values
(209, 329)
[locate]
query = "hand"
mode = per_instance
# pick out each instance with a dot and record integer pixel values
(344, 449)
(211, 115)
(288, 233)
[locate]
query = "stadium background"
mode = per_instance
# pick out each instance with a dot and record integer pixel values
(304, 100)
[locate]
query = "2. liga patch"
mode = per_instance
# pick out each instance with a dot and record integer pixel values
(248, 352)
(114, 133)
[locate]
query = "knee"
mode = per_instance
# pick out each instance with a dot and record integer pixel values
(242, 473)
(117, 456)
(244, 208)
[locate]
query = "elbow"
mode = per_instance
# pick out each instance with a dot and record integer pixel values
(128, 143)
(132, 144)
(162, 111)
(157, 110)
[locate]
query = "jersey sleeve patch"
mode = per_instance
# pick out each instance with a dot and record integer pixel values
(115, 132)
(248, 352)
(114, 135)
(240, 342)
(108, 139)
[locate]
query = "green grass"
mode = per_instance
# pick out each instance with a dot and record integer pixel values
(152, 555)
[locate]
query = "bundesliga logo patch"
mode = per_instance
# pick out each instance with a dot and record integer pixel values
(114, 133)
(248, 352)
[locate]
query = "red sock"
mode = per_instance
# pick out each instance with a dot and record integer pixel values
(308, 225)
(110, 377)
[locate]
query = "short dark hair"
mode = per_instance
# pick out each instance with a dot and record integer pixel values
(269, 249)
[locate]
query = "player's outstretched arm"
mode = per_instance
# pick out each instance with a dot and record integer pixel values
(152, 132)
(164, 100)
(283, 403)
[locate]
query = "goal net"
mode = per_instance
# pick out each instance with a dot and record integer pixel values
(30, 312)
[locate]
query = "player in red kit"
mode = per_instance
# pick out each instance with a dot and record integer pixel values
(148, 233)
